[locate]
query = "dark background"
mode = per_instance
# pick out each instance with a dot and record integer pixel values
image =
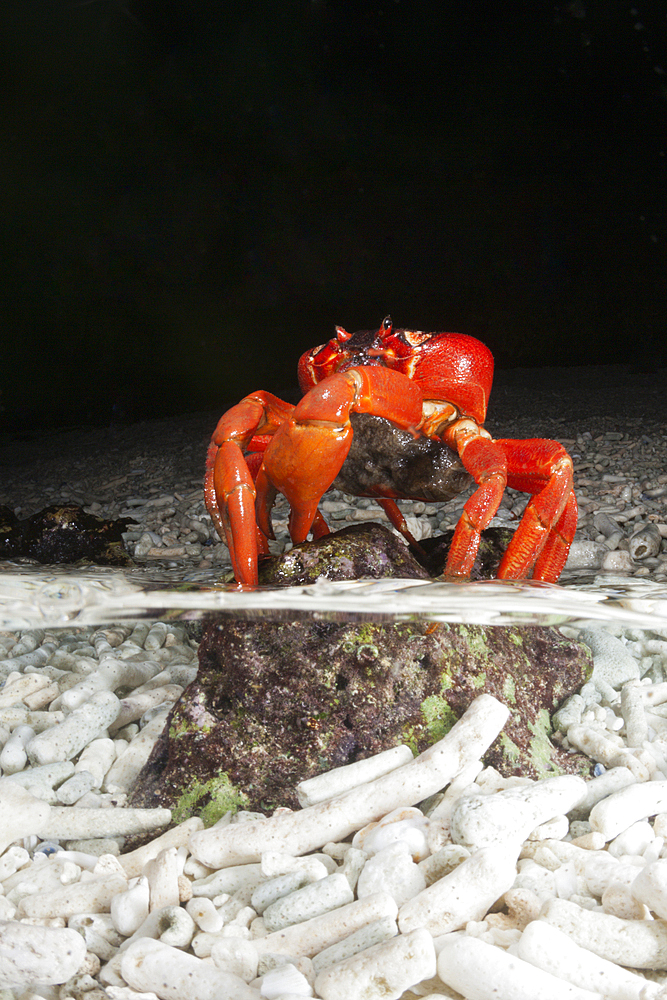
(193, 193)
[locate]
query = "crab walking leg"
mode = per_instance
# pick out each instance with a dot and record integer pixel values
(542, 540)
(551, 561)
(229, 489)
(234, 484)
(335, 819)
(308, 450)
(486, 462)
(393, 512)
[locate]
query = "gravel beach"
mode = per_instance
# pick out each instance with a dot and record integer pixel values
(612, 419)
(470, 886)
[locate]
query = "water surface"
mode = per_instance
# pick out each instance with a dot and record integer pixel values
(57, 597)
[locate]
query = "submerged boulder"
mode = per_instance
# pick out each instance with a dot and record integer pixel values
(277, 702)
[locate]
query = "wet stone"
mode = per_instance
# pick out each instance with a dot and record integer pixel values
(492, 547)
(367, 550)
(373, 551)
(277, 702)
(63, 534)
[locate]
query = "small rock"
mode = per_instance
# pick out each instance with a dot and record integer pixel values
(586, 555)
(617, 561)
(646, 542)
(613, 664)
(37, 954)
(392, 870)
(21, 814)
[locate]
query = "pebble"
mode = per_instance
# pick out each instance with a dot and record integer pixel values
(645, 543)
(68, 900)
(634, 944)
(546, 947)
(96, 759)
(171, 924)
(153, 967)
(477, 969)
(123, 772)
(392, 870)
(129, 909)
(381, 972)
(85, 723)
(285, 979)
(75, 823)
(619, 481)
(463, 895)
(273, 889)
(322, 932)
(21, 814)
(613, 664)
(234, 954)
(479, 820)
(621, 809)
(33, 954)
(406, 825)
(341, 779)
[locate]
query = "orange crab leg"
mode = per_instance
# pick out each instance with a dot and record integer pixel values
(536, 466)
(542, 540)
(486, 462)
(229, 489)
(395, 515)
(307, 452)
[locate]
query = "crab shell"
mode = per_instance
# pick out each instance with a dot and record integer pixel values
(446, 366)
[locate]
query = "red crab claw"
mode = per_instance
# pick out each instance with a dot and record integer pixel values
(308, 450)
(321, 362)
(539, 467)
(229, 489)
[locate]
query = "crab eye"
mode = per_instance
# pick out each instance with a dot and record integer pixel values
(417, 337)
(342, 335)
(386, 324)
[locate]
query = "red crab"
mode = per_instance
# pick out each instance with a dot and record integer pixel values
(430, 388)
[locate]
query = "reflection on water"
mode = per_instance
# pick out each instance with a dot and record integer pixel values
(56, 597)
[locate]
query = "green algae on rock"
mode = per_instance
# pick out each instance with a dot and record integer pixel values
(276, 702)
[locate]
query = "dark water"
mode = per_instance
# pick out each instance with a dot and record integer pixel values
(194, 193)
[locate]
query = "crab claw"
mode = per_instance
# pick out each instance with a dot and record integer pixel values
(229, 489)
(307, 452)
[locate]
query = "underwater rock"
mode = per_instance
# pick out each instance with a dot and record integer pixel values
(63, 533)
(277, 702)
